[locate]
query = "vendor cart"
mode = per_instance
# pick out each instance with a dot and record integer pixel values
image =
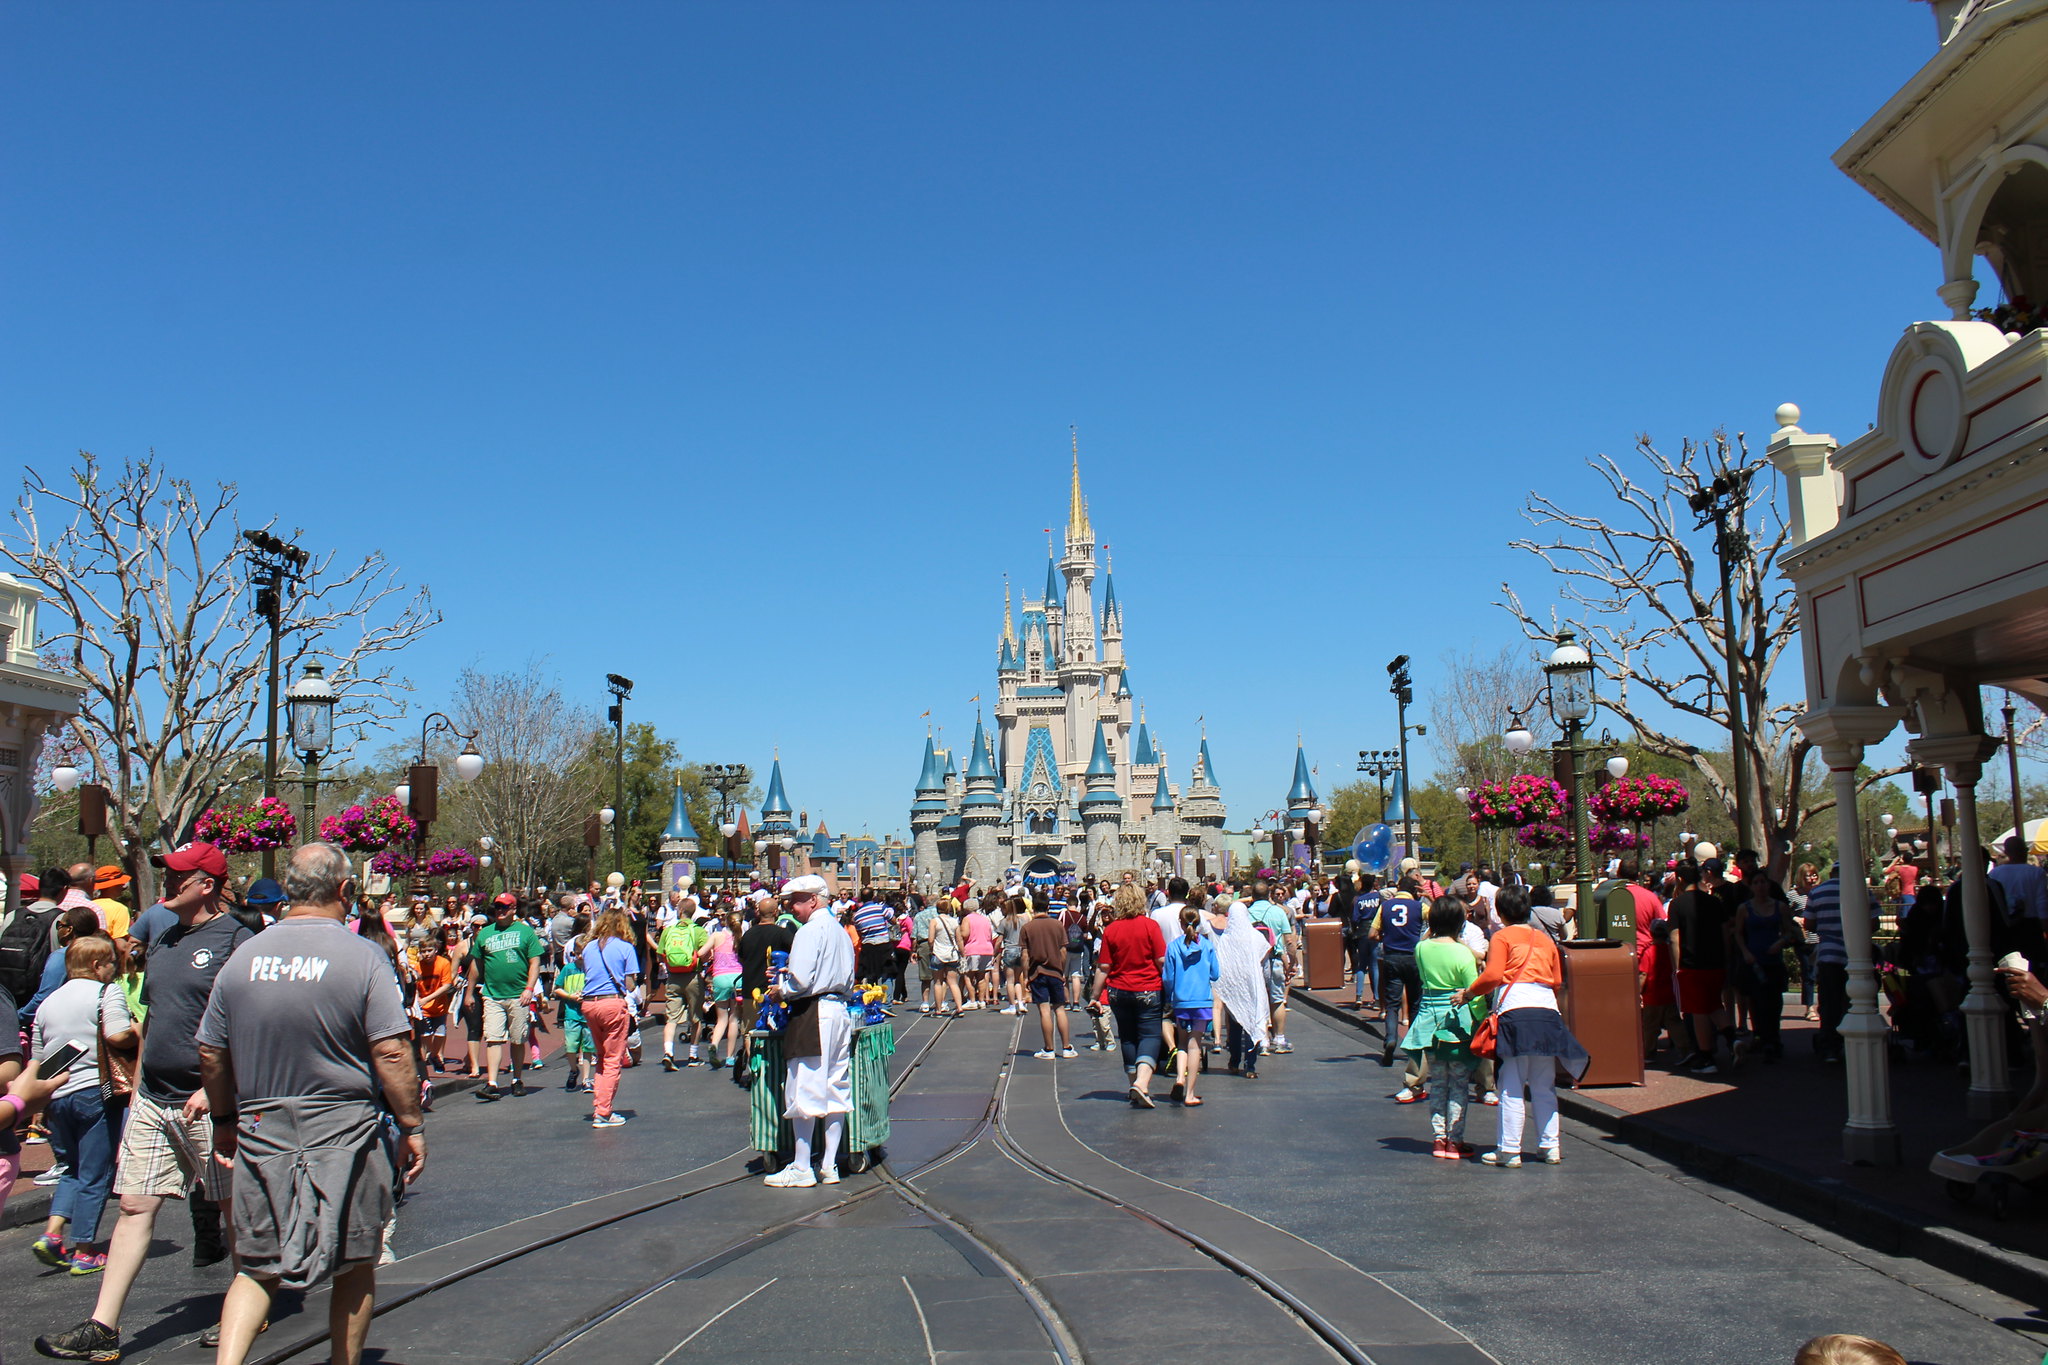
(867, 1127)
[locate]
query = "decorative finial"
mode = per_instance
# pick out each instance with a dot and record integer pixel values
(1788, 415)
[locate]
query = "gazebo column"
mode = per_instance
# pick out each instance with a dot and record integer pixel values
(1870, 1137)
(1984, 1010)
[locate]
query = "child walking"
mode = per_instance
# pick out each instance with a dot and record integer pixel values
(1190, 978)
(1444, 1030)
(578, 1047)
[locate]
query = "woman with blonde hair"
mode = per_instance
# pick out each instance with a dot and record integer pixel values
(91, 1011)
(611, 973)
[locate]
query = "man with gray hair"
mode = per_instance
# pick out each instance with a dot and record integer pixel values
(304, 1045)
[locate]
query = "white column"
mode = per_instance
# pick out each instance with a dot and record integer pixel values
(1870, 1137)
(1984, 1010)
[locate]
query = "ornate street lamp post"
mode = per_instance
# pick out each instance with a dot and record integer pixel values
(275, 563)
(311, 701)
(421, 792)
(1570, 698)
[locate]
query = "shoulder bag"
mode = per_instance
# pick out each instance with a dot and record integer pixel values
(117, 1065)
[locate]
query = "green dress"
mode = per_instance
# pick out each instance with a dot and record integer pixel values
(1447, 967)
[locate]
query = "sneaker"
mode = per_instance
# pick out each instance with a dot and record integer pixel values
(1491, 1099)
(1068, 1052)
(1408, 1096)
(829, 1176)
(487, 1091)
(572, 1085)
(1281, 1044)
(715, 1062)
(51, 1176)
(1444, 1149)
(792, 1178)
(609, 1121)
(1043, 1055)
(50, 1251)
(518, 1088)
(88, 1262)
(1510, 1162)
(37, 1136)
(925, 1008)
(1553, 1156)
(668, 1064)
(693, 1060)
(87, 1341)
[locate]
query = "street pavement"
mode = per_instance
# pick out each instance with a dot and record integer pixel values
(1609, 1257)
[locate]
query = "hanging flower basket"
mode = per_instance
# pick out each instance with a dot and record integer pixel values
(1636, 799)
(448, 862)
(1524, 799)
(264, 823)
(394, 862)
(371, 828)
(1606, 838)
(1543, 835)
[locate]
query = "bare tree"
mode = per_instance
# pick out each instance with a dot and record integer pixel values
(540, 781)
(1471, 710)
(145, 571)
(1649, 608)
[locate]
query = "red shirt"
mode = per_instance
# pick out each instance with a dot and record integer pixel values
(1131, 950)
(1648, 909)
(1658, 987)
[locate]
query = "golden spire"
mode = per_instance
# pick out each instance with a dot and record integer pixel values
(1078, 528)
(1009, 633)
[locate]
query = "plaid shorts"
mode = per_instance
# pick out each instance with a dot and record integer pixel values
(162, 1154)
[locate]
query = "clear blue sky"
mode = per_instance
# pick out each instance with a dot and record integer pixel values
(597, 317)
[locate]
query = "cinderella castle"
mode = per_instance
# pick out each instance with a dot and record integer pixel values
(1063, 786)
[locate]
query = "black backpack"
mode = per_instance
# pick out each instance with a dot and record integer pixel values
(24, 948)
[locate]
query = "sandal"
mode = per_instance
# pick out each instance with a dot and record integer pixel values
(1191, 1102)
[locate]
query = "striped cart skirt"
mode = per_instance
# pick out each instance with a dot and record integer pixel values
(867, 1127)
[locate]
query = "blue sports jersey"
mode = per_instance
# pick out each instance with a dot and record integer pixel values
(1401, 924)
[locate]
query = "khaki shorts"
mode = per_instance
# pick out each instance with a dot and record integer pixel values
(685, 997)
(162, 1154)
(504, 1021)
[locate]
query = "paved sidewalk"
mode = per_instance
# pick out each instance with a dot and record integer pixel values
(1774, 1130)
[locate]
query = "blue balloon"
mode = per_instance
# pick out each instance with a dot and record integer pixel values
(1375, 847)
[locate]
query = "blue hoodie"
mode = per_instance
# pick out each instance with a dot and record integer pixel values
(1190, 973)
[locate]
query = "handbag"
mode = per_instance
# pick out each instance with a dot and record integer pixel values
(1486, 1034)
(117, 1065)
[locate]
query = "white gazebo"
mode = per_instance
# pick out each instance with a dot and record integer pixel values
(33, 702)
(1922, 563)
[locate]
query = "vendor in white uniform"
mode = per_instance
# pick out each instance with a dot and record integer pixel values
(817, 1044)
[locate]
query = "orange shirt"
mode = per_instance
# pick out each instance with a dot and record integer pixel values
(435, 972)
(1520, 952)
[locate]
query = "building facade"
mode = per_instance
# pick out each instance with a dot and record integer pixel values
(1070, 780)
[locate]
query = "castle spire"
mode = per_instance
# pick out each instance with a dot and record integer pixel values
(1009, 630)
(1078, 528)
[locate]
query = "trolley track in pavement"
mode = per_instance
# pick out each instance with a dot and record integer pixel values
(624, 1208)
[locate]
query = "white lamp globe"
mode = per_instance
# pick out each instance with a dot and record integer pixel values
(486, 842)
(1617, 767)
(1518, 739)
(65, 776)
(403, 791)
(468, 764)
(483, 860)
(606, 815)
(729, 828)
(1885, 819)
(1464, 793)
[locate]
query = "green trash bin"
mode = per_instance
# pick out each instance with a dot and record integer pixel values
(867, 1127)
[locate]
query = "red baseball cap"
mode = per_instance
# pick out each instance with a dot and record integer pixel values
(193, 857)
(504, 898)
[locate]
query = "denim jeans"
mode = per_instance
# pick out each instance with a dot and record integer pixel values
(83, 1139)
(1831, 979)
(1138, 1019)
(1244, 1052)
(1365, 962)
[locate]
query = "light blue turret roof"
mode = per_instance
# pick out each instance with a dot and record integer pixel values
(1142, 752)
(979, 764)
(777, 803)
(1011, 658)
(1055, 595)
(1208, 764)
(952, 769)
(1123, 688)
(1099, 762)
(1303, 792)
(1162, 799)
(931, 777)
(1109, 606)
(679, 826)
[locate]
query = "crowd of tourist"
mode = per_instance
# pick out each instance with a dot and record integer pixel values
(210, 1042)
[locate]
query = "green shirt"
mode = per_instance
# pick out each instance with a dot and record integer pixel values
(1445, 964)
(571, 980)
(1274, 918)
(501, 956)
